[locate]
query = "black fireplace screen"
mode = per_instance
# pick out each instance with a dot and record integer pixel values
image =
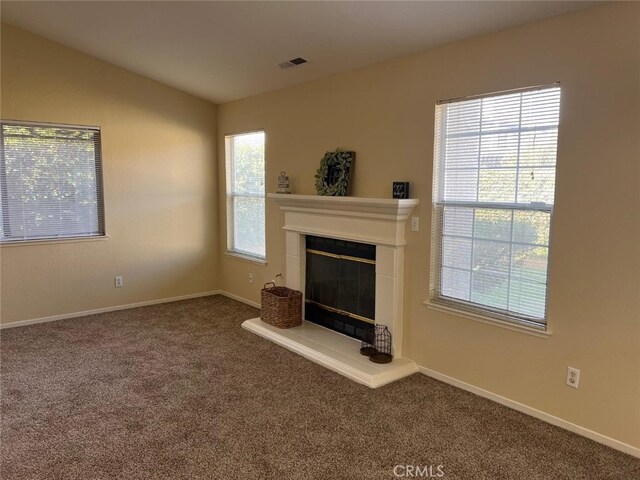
(341, 285)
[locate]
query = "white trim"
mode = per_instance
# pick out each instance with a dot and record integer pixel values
(239, 299)
(49, 124)
(52, 241)
(64, 316)
(534, 88)
(546, 417)
(509, 325)
(53, 318)
(246, 258)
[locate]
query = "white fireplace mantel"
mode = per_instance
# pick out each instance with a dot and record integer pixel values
(383, 208)
(376, 221)
(379, 221)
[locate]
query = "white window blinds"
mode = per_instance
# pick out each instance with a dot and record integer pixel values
(245, 194)
(494, 183)
(50, 182)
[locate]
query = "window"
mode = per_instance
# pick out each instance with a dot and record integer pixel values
(245, 194)
(50, 182)
(494, 184)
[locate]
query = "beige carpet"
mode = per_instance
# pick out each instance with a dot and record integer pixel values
(181, 391)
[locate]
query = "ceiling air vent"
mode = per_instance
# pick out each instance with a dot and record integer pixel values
(294, 62)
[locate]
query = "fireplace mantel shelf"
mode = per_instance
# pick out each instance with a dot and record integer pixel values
(376, 221)
(383, 208)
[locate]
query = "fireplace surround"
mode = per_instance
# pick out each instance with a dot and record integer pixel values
(373, 221)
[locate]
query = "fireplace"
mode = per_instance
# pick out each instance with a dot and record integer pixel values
(340, 286)
(375, 228)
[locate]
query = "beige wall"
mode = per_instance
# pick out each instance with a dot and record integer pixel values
(159, 157)
(386, 114)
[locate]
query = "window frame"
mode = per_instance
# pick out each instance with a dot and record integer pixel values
(231, 195)
(484, 313)
(99, 177)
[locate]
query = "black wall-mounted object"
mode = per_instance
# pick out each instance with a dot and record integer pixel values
(400, 189)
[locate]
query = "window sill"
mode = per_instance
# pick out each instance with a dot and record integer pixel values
(535, 332)
(245, 258)
(53, 241)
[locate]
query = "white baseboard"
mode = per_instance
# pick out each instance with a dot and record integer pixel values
(520, 407)
(239, 299)
(63, 316)
(53, 318)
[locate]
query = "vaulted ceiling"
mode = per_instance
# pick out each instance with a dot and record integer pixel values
(223, 51)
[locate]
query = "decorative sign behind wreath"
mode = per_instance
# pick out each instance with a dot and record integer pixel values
(333, 178)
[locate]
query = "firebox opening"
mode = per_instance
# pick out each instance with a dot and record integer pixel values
(340, 285)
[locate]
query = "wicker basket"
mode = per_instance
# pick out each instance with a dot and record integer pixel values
(281, 306)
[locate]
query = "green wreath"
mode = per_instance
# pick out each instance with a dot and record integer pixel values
(333, 175)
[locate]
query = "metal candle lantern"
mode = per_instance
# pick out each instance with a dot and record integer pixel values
(382, 345)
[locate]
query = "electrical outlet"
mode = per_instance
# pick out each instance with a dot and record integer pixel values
(573, 377)
(251, 278)
(118, 281)
(415, 224)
